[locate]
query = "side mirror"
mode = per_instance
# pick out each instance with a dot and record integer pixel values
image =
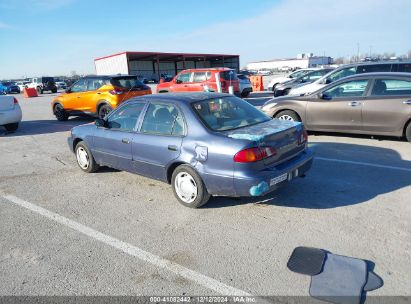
(328, 81)
(101, 123)
(68, 90)
(324, 96)
(178, 81)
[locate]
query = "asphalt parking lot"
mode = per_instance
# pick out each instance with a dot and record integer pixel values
(65, 232)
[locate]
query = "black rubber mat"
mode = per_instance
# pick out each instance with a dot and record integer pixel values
(373, 282)
(307, 260)
(341, 281)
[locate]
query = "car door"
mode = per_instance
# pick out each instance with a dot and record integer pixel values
(198, 82)
(73, 100)
(340, 107)
(91, 96)
(181, 82)
(112, 143)
(159, 140)
(388, 106)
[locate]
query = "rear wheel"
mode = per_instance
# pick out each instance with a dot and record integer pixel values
(54, 91)
(85, 159)
(408, 132)
(288, 115)
(188, 187)
(12, 126)
(103, 111)
(60, 113)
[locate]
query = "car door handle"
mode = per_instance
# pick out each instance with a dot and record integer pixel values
(125, 141)
(354, 103)
(408, 102)
(172, 148)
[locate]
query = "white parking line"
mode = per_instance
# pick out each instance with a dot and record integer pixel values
(363, 164)
(141, 254)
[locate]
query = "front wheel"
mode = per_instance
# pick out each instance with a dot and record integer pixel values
(188, 187)
(12, 126)
(245, 94)
(85, 159)
(60, 113)
(288, 115)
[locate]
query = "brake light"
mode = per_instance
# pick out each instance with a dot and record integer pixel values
(116, 91)
(254, 154)
(15, 100)
(303, 137)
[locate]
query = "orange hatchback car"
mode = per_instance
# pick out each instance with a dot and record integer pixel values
(97, 95)
(198, 80)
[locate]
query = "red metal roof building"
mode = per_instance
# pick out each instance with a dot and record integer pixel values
(151, 65)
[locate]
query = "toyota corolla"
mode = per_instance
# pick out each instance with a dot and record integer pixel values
(203, 144)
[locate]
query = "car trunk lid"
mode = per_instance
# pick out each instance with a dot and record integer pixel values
(6, 103)
(286, 137)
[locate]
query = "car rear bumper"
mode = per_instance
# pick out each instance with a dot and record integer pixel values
(270, 179)
(10, 116)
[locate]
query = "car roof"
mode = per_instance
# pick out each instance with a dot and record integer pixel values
(184, 97)
(375, 63)
(378, 74)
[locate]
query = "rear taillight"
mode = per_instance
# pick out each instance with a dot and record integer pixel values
(254, 154)
(303, 137)
(15, 100)
(116, 91)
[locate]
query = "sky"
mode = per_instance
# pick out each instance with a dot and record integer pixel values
(56, 37)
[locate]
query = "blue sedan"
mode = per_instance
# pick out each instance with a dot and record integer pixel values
(203, 144)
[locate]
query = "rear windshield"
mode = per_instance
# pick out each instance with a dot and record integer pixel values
(228, 113)
(126, 82)
(228, 75)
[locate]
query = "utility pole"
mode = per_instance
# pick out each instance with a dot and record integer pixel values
(358, 51)
(370, 50)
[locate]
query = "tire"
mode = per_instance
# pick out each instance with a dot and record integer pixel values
(104, 110)
(288, 115)
(12, 126)
(195, 195)
(39, 90)
(60, 113)
(85, 159)
(408, 132)
(245, 94)
(273, 89)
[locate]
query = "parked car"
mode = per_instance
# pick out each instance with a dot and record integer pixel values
(10, 112)
(97, 95)
(61, 85)
(42, 84)
(372, 103)
(277, 80)
(352, 69)
(245, 85)
(9, 87)
(285, 87)
(203, 144)
(199, 80)
(22, 85)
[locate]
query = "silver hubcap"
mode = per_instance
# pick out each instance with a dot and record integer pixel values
(82, 158)
(286, 117)
(186, 187)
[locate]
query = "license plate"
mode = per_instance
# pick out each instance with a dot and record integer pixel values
(278, 179)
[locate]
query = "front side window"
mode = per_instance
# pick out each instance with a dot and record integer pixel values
(125, 118)
(183, 77)
(353, 88)
(79, 86)
(163, 119)
(384, 87)
(341, 73)
(228, 113)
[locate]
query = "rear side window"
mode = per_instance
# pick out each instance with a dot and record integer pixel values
(200, 76)
(94, 84)
(162, 119)
(126, 82)
(125, 119)
(390, 87)
(354, 88)
(374, 68)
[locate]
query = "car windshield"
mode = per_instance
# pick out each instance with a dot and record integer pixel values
(126, 82)
(228, 113)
